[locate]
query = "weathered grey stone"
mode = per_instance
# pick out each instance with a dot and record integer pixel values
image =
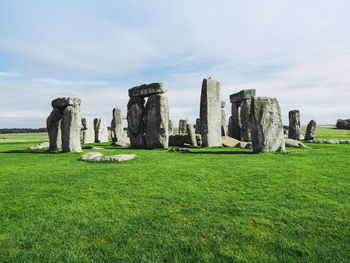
(294, 131)
(229, 142)
(223, 122)
(156, 122)
(177, 139)
(245, 133)
(266, 125)
(114, 158)
(191, 135)
(90, 155)
(147, 90)
(199, 139)
(198, 126)
(235, 125)
(223, 103)
(40, 146)
(88, 130)
(70, 128)
(210, 113)
(242, 95)
(65, 101)
(101, 130)
(229, 127)
(294, 143)
(136, 112)
(183, 126)
(311, 130)
(117, 132)
(170, 127)
(53, 124)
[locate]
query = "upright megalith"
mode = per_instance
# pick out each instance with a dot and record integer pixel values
(170, 127)
(294, 130)
(117, 132)
(183, 126)
(148, 125)
(311, 130)
(239, 125)
(223, 119)
(266, 125)
(210, 113)
(88, 130)
(157, 122)
(101, 130)
(191, 135)
(64, 125)
(136, 112)
(198, 126)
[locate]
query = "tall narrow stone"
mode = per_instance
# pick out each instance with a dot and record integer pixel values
(88, 130)
(223, 119)
(64, 124)
(101, 130)
(136, 112)
(70, 127)
(311, 130)
(183, 126)
(53, 124)
(157, 122)
(266, 125)
(198, 126)
(191, 135)
(229, 127)
(117, 132)
(294, 131)
(245, 134)
(170, 127)
(210, 113)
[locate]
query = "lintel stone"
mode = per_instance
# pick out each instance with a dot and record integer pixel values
(243, 95)
(147, 90)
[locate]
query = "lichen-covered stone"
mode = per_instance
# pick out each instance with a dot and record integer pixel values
(88, 130)
(53, 124)
(191, 135)
(210, 113)
(242, 95)
(117, 132)
(147, 90)
(294, 130)
(136, 112)
(183, 126)
(156, 122)
(65, 101)
(266, 125)
(311, 130)
(70, 128)
(101, 130)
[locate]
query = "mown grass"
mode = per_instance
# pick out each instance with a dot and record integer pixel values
(213, 205)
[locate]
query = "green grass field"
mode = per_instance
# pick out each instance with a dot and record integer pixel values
(213, 205)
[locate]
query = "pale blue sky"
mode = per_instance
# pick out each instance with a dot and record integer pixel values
(295, 50)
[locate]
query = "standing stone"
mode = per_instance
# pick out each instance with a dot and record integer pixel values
(311, 130)
(70, 128)
(170, 127)
(117, 132)
(156, 122)
(101, 130)
(88, 130)
(266, 125)
(64, 124)
(223, 119)
(294, 131)
(230, 128)
(210, 113)
(240, 112)
(53, 124)
(191, 135)
(183, 126)
(136, 112)
(198, 126)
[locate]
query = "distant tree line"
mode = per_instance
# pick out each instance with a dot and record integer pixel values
(22, 130)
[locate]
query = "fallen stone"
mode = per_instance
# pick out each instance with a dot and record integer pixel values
(229, 142)
(90, 155)
(114, 158)
(40, 146)
(294, 143)
(146, 90)
(121, 143)
(182, 150)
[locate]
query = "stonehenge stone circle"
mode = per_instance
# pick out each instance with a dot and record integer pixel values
(294, 130)
(210, 113)
(266, 125)
(117, 132)
(157, 122)
(148, 124)
(223, 119)
(88, 130)
(136, 112)
(64, 124)
(240, 113)
(311, 130)
(101, 130)
(183, 126)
